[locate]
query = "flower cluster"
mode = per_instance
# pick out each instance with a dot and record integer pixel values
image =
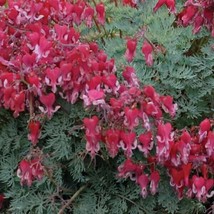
(30, 170)
(197, 13)
(43, 57)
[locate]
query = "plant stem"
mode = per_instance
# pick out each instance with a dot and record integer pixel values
(61, 211)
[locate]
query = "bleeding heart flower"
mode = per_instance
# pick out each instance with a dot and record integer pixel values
(168, 106)
(92, 135)
(30, 170)
(128, 142)
(112, 138)
(53, 78)
(143, 181)
(169, 3)
(34, 129)
(210, 144)
(131, 117)
(146, 143)
(48, 101)
(154, 180)
(147, 50)
(130, 169)
(204, 127)
(129, 75)
(100, 8)
(131, 45)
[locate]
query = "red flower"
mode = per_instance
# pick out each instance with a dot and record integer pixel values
(131, 117)
(130, 76)
(168, 106)
(88, 16)
(201, 186)
(154, 180)
(204, 127)
(34, 129)
(146, 143)
(130, 169)
(94, 97)
(128, 142)
(210, 144)
(131, 45)
(2, 198)
(100, 8)
(147, 50)
(165, 140)
(30, 170)
(143, 181)
(18, 103)
(92, 135)
(112, 138)
(53, 78)
(48, 101)
(169, 3)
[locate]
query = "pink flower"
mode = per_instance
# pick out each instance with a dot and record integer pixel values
(143, 181)
(131, 117)
(88, 16)
(48, 101)
(204, 127)
(30, 170)
(93, 97)
(100, 9)
(165, 141)
(147, 50)
(201, 186)
(92, 135)
(131, 45)
(34, 129)
(53, 78)
(130, 169)
(210, 144)
(128, 142)
(146, 143)
(154, 180)
(18, 103)
(167, 105)
(130, 76)
(186, 173)
(112, 138)
(169, 3)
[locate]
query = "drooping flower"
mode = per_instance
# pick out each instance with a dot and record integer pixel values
(147, 50)
(131, 45)
(48, 101)
(164, 141)
(154, 180)
(143, 181)
(204, 127)
(53, 78)
(112, 138)
(92, 135)
(170, 4)
(130, 169)
(34, 131)
(100, 9)
(30, 170)
(131, 117)
(168, 106)
(130, 77)
(128, 142)
(146, 143)
(18, 103)
(210, 144)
